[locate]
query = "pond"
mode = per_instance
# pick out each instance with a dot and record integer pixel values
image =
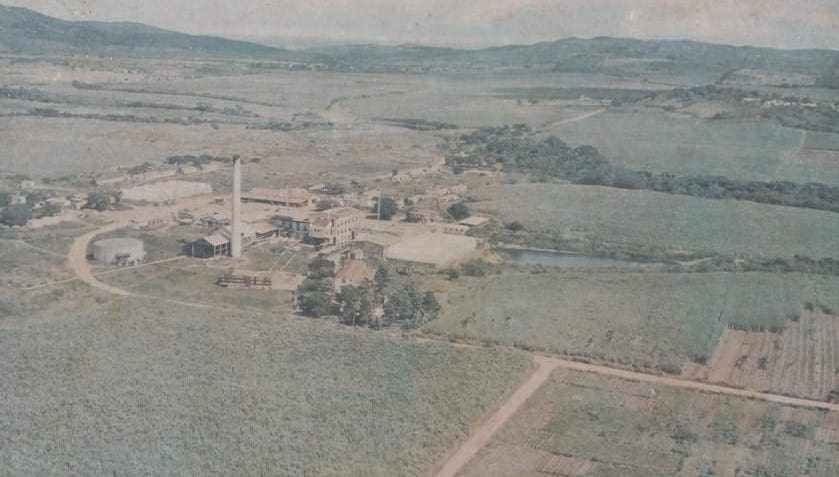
(565, 259)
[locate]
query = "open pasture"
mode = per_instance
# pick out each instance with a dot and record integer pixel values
(587, 425)
(683, 145)
(664, 223)
(141, 387)
(654, 320)
(55, 147)
(192, 281)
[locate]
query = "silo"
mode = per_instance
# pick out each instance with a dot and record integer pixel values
(125, 250)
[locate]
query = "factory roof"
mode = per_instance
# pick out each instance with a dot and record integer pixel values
(290, 196)
(216, 240)
(473, 221)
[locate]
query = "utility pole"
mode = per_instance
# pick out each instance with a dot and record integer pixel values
(379, 203)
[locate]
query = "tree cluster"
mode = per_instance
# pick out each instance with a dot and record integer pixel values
(97, 201)
(459, 211)
(514, 148)
(379, 303)
(389, 207)
(16, 215)
(195, 161)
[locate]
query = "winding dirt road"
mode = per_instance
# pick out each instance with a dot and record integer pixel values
(77, 258)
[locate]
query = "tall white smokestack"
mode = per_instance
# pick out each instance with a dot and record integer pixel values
(236, 227)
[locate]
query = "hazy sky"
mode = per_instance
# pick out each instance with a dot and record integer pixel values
(474, 23)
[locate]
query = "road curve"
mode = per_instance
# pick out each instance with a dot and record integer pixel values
(77, 258)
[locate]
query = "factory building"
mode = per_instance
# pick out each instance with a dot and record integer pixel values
(284, 197)
(332, 227)
(219, 243)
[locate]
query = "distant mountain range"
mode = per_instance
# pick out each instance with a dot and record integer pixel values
(23, 31)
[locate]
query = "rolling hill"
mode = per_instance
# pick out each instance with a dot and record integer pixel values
(23, 31)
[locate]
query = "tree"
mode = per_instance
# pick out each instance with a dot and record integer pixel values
(33, 197)
(320, 268)
(48, 210)
(97, 201)
(430, 308)
(459, 211)
(388, 207)
(5, 198)
(356, 305)
(515, 226)
(16, 215)
(315, 304)
(381, 277)
(403, 304)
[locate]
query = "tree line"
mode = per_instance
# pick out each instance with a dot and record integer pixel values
(515, 149)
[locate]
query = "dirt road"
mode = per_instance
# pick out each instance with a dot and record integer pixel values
(77, 259)
(574, 119)
(485, 431)
(547, 364)
(676, 382)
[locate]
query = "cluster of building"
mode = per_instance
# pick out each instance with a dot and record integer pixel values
(332, 227)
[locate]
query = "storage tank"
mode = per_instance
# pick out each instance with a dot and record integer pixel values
(119, 250)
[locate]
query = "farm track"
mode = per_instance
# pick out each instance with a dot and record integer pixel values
(488, 428)
(575, 119)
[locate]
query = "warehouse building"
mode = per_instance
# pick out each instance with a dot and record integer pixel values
(283, 197)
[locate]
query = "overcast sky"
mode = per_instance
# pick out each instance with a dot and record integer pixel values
(473, 23)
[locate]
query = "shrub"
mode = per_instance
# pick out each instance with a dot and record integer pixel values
(97, 201)
(16, 215)
(476, 268)
(459, 211)
(388, 208)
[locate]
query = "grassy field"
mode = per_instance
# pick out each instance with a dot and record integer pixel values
(32, 258)
(587, 425)
(193, 281)
(137, 387)
(666, 223)
(665, 142)
(644, 319)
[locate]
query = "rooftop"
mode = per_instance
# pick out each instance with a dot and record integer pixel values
(473, 221)
(215, 240)
(293, 195)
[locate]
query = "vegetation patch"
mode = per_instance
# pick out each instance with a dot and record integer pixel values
(140, 387)
(653, 320)
(584, 424)
(514, 148)
(657, 224)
